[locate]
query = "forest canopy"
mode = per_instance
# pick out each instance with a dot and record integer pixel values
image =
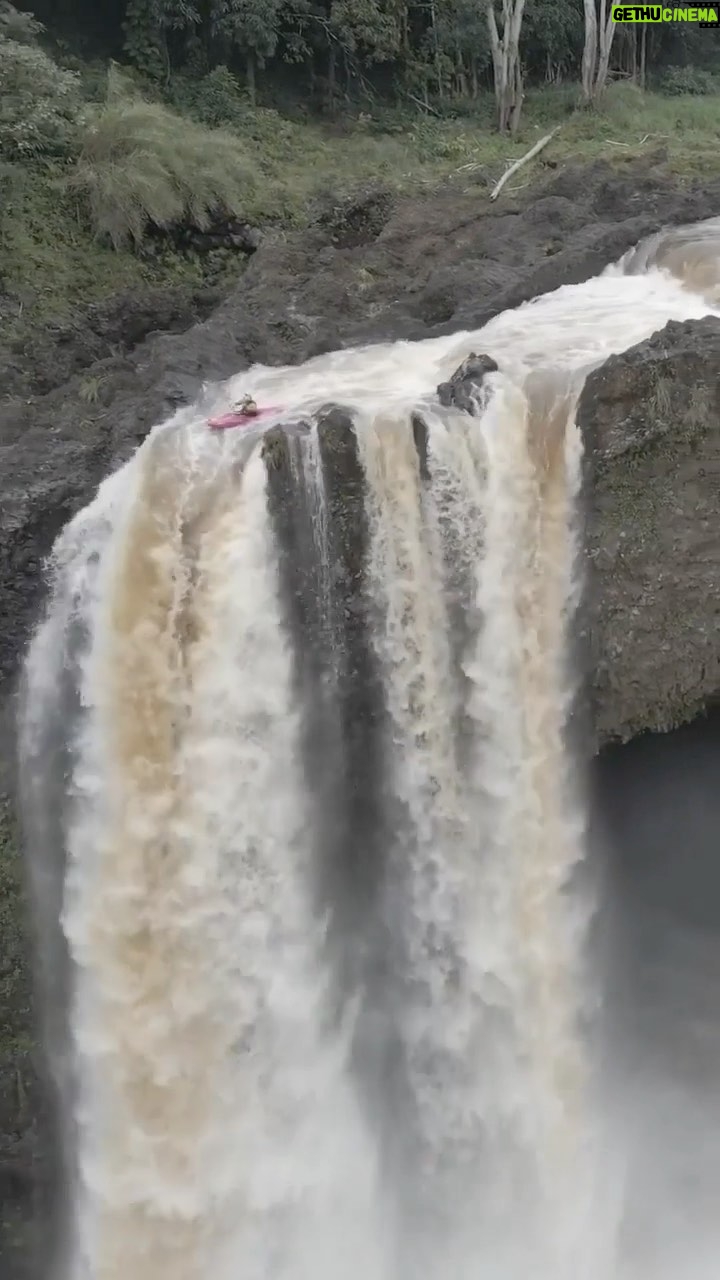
(326, 52)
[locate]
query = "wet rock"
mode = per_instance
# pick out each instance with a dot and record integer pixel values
(44, 482)
(463, 391)
(345, 488)
(651, 418)
(221, 232)
(50, 356)
(449, 291)
(358, 219)
(323, 576)
(420, 436)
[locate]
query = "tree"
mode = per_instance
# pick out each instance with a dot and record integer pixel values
(460, 28)
(552, 38)
(507, 69)
(253, 26)
(40, 100)
(148, 24)
(596, 53)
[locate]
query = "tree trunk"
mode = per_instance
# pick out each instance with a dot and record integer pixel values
(460, 76)
(436, 42)
(507, 72)
(518, 96)
(643, 55)
(332, 76)
(404, 37)
(589, 58)
(633, 55)
(607, 34)
(596, 53)
(250, 78)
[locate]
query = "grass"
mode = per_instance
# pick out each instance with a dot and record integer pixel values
(138, 157)
(140, 163)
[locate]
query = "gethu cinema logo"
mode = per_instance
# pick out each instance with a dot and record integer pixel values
(658, 13)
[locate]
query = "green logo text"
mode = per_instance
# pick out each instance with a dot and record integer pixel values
(658, 13)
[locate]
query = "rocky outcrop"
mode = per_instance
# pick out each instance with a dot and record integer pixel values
(221, 232)
(328, 612)
(103, 331)
(463, 389)
(652, 422)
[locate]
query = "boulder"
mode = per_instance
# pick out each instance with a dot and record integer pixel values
(463, 391)
(651, 419)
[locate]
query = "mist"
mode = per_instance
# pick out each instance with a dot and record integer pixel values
(657, 814)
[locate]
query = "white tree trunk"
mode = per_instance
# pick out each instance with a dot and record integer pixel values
(589, 58)
(607, 34)
(507, 71)
(596, 53)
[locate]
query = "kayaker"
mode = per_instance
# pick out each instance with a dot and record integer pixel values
(247, 407)
(243, 413)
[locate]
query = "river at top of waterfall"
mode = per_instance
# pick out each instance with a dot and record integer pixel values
(304, 831)
(572, 329)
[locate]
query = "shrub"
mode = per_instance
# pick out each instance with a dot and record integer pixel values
(678, 81)
(38, 105)
(215, 99)
(23, 27)
(141, 164)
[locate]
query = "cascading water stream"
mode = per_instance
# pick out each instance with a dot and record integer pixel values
(302, 826)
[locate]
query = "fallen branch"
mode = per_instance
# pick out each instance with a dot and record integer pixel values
(424, 106)
(519, 163)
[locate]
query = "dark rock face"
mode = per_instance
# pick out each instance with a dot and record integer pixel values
(339, 684)
(652, 422)
(357, 220)
(221, 232)
(105, 330)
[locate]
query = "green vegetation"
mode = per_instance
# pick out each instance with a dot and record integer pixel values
(329, 52)
(139, 166)
(39, 102)
(98, 160)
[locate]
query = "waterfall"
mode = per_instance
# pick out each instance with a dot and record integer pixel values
(305, 830)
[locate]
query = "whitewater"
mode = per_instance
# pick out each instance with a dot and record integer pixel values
(306, 832)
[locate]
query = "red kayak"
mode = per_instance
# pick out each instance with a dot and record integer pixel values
(239, 419)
